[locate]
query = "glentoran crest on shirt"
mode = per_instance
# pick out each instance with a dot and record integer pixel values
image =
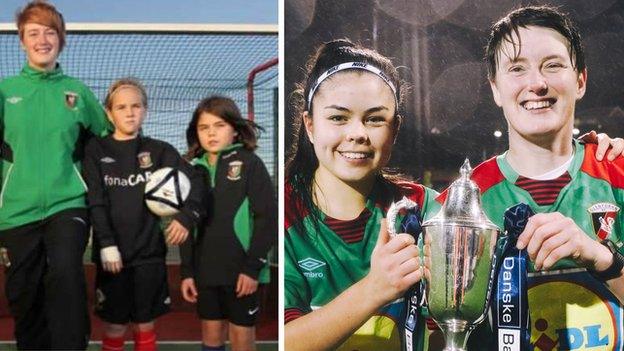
(71, 99)
(603, 215)
(234, 170)
(145, 159)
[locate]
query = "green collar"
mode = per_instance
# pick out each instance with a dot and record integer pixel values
(575, 165)
(33, 73)
(203, 158)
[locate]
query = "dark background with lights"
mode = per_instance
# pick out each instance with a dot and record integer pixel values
(450, 113)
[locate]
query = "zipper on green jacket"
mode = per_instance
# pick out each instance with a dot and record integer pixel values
(6, 181)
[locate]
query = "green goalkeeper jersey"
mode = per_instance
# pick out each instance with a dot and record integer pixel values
(320, 264)
(569, 308)
(44, 119)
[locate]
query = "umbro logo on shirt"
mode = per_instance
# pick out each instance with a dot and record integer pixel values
(107, 159)
(14, 99)
(310, 265)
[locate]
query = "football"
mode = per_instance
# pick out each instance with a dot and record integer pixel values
(166, 190)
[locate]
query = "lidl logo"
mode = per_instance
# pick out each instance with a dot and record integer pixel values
(377, 333)
(310, 264)
(569, 316)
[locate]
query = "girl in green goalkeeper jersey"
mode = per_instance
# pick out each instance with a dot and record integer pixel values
(45, 117)
(344, 276)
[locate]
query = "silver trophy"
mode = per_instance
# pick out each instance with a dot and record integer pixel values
(459, 254)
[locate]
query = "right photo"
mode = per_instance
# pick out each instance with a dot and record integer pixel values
(454, 175)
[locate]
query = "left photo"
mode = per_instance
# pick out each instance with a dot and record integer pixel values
(138, 158)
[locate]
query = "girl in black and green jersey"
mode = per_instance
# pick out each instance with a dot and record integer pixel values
(344, 276)
(222, 266)
(45, 116)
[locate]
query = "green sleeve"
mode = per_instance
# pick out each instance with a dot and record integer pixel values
(296, 289)
(430, 209)
(619, 227)
(430, 205)
(94, 117)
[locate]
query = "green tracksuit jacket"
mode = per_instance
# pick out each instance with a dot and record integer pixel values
(44, 120)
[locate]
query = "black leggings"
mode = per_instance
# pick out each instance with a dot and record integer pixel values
(45, 283)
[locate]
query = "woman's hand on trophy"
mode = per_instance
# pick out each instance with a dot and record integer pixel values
(395, 266)
(549, 237)
(615, 146)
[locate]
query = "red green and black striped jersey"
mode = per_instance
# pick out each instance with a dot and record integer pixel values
(570, 309)
(332, 255)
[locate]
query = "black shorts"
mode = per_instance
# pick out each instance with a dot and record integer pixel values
(220, 302)
(137, 294)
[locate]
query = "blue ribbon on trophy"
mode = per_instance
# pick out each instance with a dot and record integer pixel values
(413, 325)
(510, 310)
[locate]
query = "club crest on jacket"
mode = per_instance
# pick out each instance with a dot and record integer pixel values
(603, 217)
(71, 99)
(145, 159)
(234, 170)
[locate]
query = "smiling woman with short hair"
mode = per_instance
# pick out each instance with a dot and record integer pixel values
(45, 117)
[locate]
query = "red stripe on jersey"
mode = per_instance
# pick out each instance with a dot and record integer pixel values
(532, 184)
(611, 171)
(485, 175)
(544, 192)
(413, 191)
(291, 201)
(290, 314)
(431, 324)
(350, 231)
(546, 197)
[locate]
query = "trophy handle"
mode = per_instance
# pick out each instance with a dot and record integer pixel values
(393, 211)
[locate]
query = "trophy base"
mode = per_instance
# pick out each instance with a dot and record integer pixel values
(456, 333)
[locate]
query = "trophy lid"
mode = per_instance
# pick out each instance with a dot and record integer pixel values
(462, 205)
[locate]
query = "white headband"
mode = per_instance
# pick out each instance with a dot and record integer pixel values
(351, 65)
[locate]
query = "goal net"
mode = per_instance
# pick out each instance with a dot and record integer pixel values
(178, 64)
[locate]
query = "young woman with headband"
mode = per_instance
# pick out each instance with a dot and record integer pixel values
(343, 272)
